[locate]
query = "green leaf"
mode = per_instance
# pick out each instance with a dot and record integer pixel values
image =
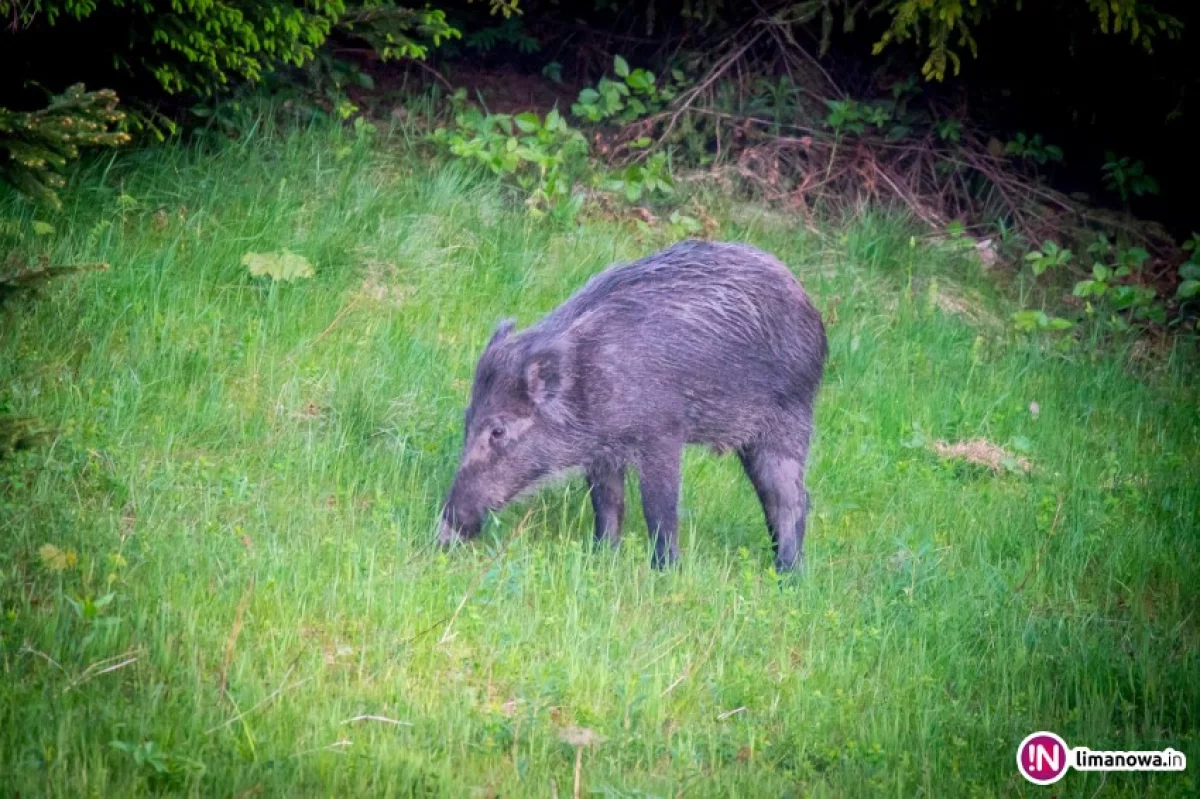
(280, 266)
(1188, 289)
(589, 96)
(55, 559)
(1027, 321)
(528, 122)
(1137, 256)
(620, 66)
(553, 72)
(41, 228)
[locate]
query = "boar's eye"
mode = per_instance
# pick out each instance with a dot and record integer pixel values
(497, 432)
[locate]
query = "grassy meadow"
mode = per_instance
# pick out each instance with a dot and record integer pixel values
(216, 572)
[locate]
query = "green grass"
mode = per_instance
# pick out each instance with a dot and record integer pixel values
(252, 473)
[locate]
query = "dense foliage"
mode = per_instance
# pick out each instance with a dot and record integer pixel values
(783, 96)
(187, 47)
(33, 145)
(946, 27)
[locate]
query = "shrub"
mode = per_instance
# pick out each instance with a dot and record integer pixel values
(195, 47)
(35, 146)
(543, 156)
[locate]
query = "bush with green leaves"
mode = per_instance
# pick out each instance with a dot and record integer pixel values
(1033, 149)
(1036, 321)
(543, 155)
(943, 28)
(895, 118)
(1049, 256)
(1116, 282)
(635, 94)
(202, 46)
(197, 47)
(509, 32)
(36, 145)
(1127, 177)
(642, 179)
(853, 116)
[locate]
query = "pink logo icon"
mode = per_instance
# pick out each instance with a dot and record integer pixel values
(1042, 758)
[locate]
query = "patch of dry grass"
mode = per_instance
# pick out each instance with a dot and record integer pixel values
(981, 452)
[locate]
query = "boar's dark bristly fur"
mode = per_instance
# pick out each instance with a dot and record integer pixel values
(703, 343)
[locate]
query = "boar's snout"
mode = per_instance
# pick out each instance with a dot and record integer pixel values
(447, 535)
(458, 523)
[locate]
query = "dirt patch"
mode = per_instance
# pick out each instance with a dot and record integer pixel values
(503, 90)
(981, 452)
(510, 91)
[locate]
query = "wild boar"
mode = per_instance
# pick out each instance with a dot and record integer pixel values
(702, 343)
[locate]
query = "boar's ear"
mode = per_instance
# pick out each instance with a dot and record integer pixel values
(502, 332)
(547, 377)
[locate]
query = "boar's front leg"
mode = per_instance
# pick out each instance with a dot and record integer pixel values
(658, 475)
(607, 484)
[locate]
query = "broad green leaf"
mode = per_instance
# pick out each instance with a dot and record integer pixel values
(528, 122)
(41, 228)
(279, 266)
(1137, 256)
(55, 559)
(620, 66)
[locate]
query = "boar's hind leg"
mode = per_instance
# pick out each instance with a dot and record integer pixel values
(778, 476)
(607, 484)
(658, 478)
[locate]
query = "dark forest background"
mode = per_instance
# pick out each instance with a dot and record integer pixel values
(1031, 124)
